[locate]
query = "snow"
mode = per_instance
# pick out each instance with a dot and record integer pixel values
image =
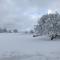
(25, 47)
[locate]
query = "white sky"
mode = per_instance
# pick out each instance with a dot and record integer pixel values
(25, 13)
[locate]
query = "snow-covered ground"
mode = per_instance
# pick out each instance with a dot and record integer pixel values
(25, 47)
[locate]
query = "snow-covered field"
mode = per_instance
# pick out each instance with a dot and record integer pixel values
(25, 47)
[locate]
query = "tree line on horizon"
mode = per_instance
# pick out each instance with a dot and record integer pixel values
(5, 30)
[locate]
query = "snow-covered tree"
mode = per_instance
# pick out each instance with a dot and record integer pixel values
(5, 30)
(49, 23)
(15, 31)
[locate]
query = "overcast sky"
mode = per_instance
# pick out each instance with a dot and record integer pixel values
(25, 13)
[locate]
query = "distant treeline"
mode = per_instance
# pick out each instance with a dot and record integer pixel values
(5, 30)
